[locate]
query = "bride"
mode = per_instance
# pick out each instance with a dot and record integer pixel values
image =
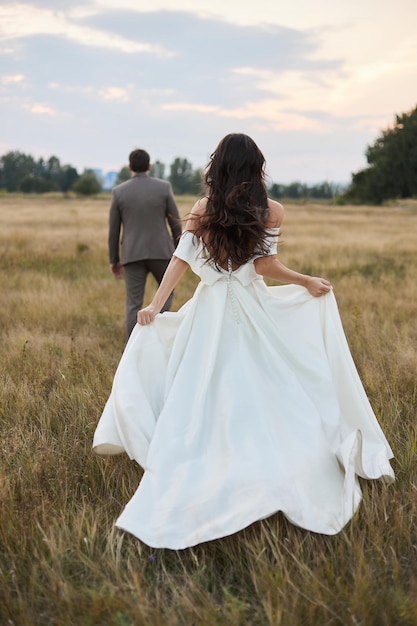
(246, 401)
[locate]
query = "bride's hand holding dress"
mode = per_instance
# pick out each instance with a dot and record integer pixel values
(172, 276)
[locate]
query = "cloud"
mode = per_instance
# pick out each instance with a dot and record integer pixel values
(202, 70)
(266, 110)
(189, 106)
(13, 79)
(114, 93)
(23, 20)
(208, 42)
(209, 52)
(40, 109)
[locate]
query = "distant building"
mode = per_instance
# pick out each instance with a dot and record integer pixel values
(109, 180)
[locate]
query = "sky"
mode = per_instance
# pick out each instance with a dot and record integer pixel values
(313, 83)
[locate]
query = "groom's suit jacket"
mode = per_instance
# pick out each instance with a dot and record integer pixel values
(140, 210)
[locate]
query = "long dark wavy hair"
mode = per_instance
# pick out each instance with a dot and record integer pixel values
(233, 225)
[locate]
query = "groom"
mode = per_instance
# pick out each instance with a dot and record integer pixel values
(140, 209)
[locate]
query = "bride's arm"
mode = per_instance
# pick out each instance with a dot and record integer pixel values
(173, 274)
(270, 267)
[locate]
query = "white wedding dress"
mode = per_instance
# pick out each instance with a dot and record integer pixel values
(243, 403)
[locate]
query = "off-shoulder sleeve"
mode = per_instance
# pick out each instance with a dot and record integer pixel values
(271, 241)
(185, 249)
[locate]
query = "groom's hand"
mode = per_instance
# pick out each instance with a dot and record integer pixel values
(117, 270)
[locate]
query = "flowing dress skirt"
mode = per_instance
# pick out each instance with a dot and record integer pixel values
(243, 403)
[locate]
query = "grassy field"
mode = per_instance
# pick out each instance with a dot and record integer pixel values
(62, 333)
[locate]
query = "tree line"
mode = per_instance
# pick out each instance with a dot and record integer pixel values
(20, 172)
(183, 178)
(391, 173)
(302, 191)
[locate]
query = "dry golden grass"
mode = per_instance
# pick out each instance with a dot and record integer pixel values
(62, 320)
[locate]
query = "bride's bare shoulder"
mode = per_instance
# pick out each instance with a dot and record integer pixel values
(199, 207)
(196, 213)
(276, 214)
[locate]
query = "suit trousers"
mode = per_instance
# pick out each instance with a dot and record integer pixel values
(135, 275)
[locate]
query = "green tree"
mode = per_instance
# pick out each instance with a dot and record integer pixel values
(14, 166)
(157, 169)
(392, 159)
(87, 184)
(36, 184)
(39, 168)
(180, 177)
(19, 171)
(123, 175)
(67, 177)
(296, 190)
(322, 191)
(277, 191)
(53, 169)
(196, 184)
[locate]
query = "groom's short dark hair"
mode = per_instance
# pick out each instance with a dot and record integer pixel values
(139, 161)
